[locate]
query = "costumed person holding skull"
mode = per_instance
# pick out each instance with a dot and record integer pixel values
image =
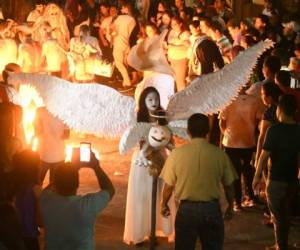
(138, 205)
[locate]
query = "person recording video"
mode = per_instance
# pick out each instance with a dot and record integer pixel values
(69, 218)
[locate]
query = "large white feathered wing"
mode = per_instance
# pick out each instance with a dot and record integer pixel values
(133, 135)
(212, 92)
(88, 108)
(149, 56)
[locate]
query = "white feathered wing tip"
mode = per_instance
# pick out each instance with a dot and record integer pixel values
(87, 108)
(212, 92)
(179, 128)
(133, 135)
(149, 56)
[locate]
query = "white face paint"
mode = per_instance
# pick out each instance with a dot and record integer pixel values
(159, 136)
(152, 101)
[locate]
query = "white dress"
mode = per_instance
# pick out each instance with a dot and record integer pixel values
(138, 207)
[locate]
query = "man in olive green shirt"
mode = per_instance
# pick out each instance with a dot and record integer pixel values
(194, 172)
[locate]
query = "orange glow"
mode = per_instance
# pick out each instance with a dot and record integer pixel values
(30, 101)
(69, 151)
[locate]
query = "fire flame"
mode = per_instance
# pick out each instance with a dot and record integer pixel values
(30, 101)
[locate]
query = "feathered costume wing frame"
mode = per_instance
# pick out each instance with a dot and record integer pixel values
(211, 93)
(98, 109)
(88, 108)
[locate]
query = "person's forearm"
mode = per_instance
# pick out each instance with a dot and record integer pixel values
(104, 181)
(229, 194)
(262, 163)
(258, 148)
(167, 192)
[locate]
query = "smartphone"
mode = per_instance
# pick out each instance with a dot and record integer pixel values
(85, 152)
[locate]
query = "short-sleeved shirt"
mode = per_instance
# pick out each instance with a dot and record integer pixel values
(69, 220)
(283, 142)
(196, 170)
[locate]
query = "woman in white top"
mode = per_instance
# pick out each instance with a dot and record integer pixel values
(177, 45)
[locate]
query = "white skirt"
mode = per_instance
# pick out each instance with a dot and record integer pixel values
(138, 207)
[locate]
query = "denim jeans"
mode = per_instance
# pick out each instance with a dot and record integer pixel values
(199, 219)
(279, 196)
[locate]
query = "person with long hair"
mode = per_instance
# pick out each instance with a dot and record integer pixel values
(139, 193)
(178, 44)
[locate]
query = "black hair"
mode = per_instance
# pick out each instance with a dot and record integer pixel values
(104, 4)
(40, 2)
(143, 113)
(246, 22)
(281, 53)
(272, 90)
(235, 50)
(251, 31)
(273, 63)
(283, 77)
(216, 26)
(265, 19)
(233, 23)
(164, 3)
(198, 125)
(195, 23)
(288, 105)
(85, 29)
(66, 179)
(249, 40)
(207, 20)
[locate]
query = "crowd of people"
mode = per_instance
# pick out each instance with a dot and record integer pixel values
(256, 135)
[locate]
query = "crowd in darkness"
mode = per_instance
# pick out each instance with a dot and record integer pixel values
(252, 146)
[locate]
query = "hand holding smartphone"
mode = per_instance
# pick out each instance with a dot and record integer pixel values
(84, 156)
(85, 152)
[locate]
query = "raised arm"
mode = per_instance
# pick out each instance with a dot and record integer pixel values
(102, 178)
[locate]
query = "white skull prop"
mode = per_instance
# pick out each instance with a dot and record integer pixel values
(159, 136)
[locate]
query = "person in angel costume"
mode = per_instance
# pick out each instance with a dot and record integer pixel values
(139, 192)
(103, 111)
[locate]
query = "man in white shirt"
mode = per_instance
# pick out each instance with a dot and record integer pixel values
(122, 28)
(51, 133)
